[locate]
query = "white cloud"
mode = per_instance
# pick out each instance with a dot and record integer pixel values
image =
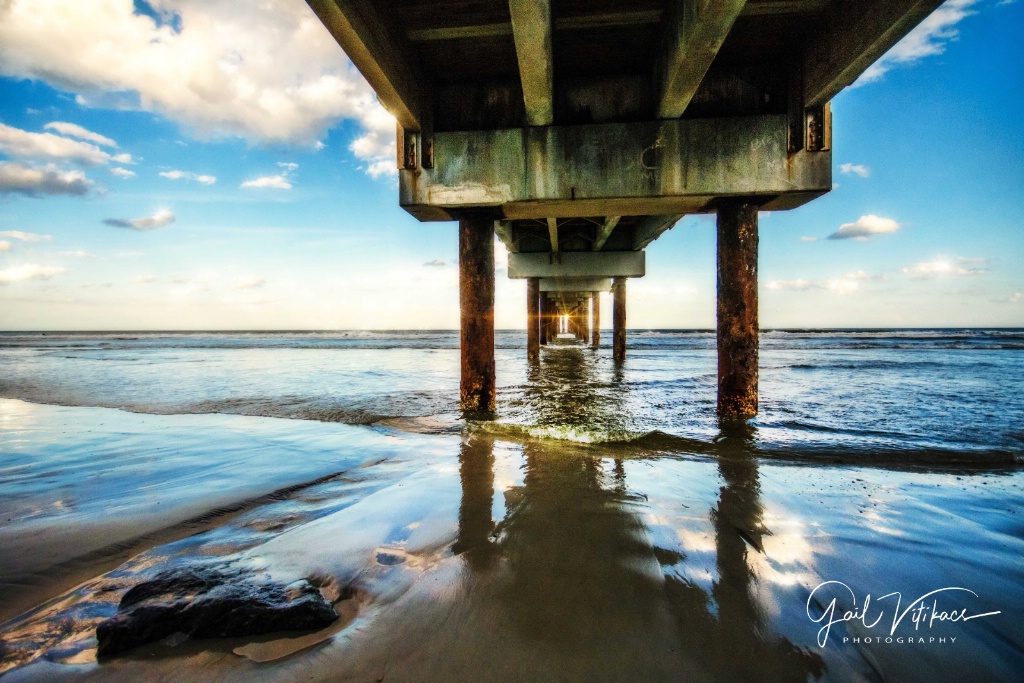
(845, 284)
(29, 271)
(808, 239)
(928, 38)
(76, 131)
(206, 66)
(1015, 298)
(25, 236)
(144, 279)
(77, 253)
(945, 267)
(5, 245)
(122, 172)
(157, 220)
(178, 175)
(31, 181)
(249, 283)
(436, 263)
(855, 169)
(864, 227)
(377, 146)
(279, 182)
(23, 144)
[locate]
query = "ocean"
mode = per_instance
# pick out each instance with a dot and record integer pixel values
(605, 525)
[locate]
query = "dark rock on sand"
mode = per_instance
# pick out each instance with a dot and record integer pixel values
(203, 602)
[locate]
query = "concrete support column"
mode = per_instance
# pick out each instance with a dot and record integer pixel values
(476, 302)
(543, 314)
(532, 323)
(737, 309)
(595, 339)
(619, 318)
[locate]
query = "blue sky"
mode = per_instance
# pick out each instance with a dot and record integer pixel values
(161, 168)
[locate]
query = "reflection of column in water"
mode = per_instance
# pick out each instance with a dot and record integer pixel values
(580, 573)
(742, 628)
(476, 470)
(737, 521)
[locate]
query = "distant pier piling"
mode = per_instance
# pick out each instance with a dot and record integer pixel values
(543, 322)
(532, 318)
(595, 339)
(619, 319)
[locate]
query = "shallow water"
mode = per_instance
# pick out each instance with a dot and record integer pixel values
(909, 391)
(604, 527)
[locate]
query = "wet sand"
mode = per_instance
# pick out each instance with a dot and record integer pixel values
(476, 557)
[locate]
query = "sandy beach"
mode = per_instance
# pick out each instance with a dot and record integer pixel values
(474, 556)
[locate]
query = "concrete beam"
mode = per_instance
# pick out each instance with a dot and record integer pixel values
(503, 229)
(569, 23)
(855, 35)
(380, 57)
(553, 233)
(605, 231)
(576, 284)
(694, 30)
(651, 227)
(531, 28)
(578, 264)
(775, 7)
(614, 169)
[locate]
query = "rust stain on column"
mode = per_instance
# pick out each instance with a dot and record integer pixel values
(619, 318)
(476, 302)
(595, 339)
(532, 324)
(737, 309)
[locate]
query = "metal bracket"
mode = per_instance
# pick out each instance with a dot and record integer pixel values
(819, 128)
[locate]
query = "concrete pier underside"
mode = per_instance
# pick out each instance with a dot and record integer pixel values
(579, 133)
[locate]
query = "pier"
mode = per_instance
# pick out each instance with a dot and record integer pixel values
(579, 133)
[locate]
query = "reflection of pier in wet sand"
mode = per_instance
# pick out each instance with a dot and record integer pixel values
(484, 557)
(574, 568)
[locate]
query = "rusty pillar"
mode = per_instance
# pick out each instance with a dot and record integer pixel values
(595, 339)
(619, 318)
(737, 309)
(476, 302)
(542, 318)
(532, 324)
